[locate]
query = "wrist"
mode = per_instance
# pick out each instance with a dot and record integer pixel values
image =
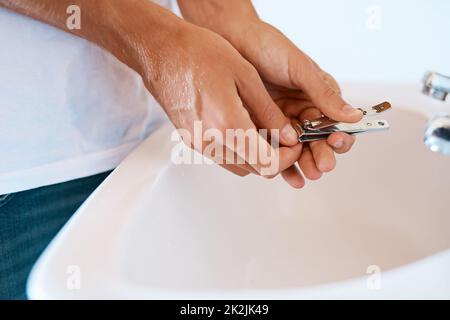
(230, 19)
(137, 32)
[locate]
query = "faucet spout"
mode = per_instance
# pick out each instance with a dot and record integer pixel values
(436, 85)
(437, 134)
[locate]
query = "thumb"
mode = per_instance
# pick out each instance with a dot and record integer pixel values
(264, 110)
(308, 78)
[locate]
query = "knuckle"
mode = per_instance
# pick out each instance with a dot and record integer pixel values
(248, 73)
(331, 82)
(224, 122)
(250, 70)
(268, 112)
(329, 92)
(299, 68)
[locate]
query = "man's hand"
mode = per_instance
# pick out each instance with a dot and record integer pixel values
(298, 85)
(201, 77)
(195, 74)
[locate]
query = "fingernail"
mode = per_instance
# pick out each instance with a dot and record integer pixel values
(349, 110)
(289, 133)
(338, 144)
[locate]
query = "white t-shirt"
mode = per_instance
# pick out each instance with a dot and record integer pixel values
(68, 109)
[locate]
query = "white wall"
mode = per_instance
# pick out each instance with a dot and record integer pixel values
(413, 35)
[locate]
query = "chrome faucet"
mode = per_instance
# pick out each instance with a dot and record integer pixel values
(437, 134)
(436, 85)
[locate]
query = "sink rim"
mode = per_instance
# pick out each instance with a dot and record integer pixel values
(41, 271)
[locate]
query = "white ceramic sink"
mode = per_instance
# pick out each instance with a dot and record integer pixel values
(158, 230)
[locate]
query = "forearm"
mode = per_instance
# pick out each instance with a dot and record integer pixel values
(114, 25)
(223, 17)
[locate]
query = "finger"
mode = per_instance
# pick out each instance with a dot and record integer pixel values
(288, 157)
(323, 156)
(263, 109)
(341, 142)
(293, 176)
(252, 147)
(293, 108)
(232, 162)
(328, 78)
(239, 135)
(239, 162)
(308, 78)
(308, 165)
(322, 153)
(331, 82)
(226, 158)
(237, 170)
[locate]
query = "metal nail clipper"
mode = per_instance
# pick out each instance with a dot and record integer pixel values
(321, 128)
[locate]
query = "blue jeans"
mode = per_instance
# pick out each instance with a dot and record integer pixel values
(28, 222)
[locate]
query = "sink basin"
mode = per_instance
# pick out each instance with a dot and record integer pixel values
(154, 229)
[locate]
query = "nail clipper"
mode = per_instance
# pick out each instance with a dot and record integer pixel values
(321, 128)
